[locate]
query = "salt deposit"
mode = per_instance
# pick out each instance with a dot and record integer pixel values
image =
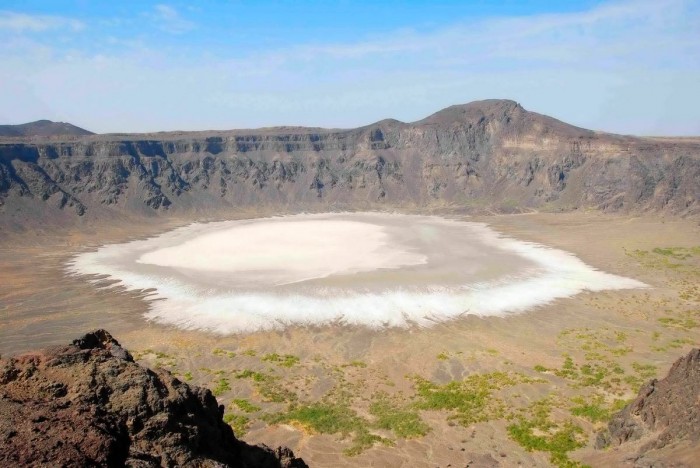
(367, 269)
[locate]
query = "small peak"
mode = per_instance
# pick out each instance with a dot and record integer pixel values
(474, 111)
(102, 339)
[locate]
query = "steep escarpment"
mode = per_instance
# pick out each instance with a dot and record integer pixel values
(90, 404)
(484, 156)
(665, 414)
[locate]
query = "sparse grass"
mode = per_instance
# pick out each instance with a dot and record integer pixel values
(332, 418)
(673, 344)
(403, 422)
(246, 406)
(443, 357)
(161, 359)
(267, 386)
(250, 374)
(223, 353)
(471, 399)
(187, 376)
(686, 323)
(568, 369)
(222, 387)
(645, 371)
(595, 409)
(680, 253)
(358, 364)
(540, 433)
(324, 418)
(665, 257)
(238, 422)
(285, 360)
(558, 442)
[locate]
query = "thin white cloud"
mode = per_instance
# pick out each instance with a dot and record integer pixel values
(22, 22)
(170, 20)
(610, 30)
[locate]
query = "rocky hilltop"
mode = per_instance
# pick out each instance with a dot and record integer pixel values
(484, 156)
(665, 415)
(90, 404)
(42, 128)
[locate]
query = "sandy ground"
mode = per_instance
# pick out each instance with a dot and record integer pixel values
(637, 333)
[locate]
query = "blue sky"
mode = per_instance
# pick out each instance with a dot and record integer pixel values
(620, 66)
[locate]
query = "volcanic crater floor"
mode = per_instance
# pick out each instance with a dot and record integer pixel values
(529, 389)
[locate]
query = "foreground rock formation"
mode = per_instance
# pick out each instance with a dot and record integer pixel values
(90, 404)
(485, 156)
(665, 414)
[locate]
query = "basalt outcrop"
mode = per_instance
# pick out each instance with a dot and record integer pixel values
(665, 415)
(90, 404)
(486, 156)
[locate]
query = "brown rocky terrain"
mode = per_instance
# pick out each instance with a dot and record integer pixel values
(90, 404)
(666, 413)
(482, 157)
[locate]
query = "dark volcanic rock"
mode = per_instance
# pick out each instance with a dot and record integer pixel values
(665, 412)
(484, 156)
(90, 404)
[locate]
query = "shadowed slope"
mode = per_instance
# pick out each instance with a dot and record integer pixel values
(665, 415)
(90, 404)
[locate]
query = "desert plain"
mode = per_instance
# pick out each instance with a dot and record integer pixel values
(518, 389)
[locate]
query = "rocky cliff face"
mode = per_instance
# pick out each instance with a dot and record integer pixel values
(483, 156)
(666, 412)
(90, 404)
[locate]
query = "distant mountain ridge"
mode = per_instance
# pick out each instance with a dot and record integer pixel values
(489, 156)
(42, 128)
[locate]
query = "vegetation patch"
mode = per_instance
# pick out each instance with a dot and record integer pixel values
(223, 353)
(267, 386)
(222, 387)
(246, 406)
(358, 364)
(540, 433)
(284, 360)
(596, 409)
(686, 323)
(680, 253)
(331, 418)
(673, 344)
(665, 257)
(471, 400)
(403, 422)
(238, 422)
